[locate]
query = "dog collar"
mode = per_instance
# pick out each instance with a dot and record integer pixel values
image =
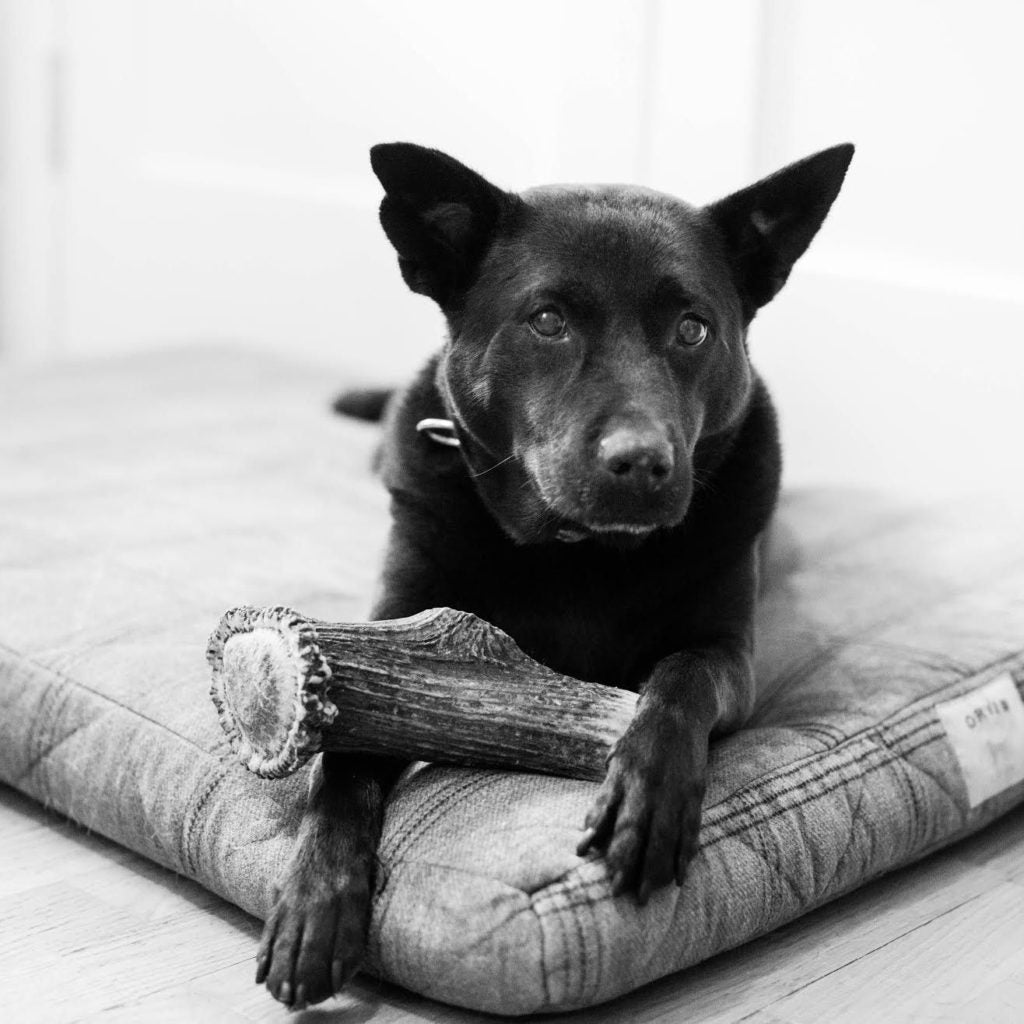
(441, 431)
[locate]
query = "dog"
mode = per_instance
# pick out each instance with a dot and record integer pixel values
(588, 464)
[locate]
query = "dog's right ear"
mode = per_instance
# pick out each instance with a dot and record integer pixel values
(438, 214)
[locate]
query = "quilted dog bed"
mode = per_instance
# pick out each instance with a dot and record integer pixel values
(140, 499)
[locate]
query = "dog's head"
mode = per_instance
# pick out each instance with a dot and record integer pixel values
(597, 334)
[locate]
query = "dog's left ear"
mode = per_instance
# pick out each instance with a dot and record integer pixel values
(769, 224)
(438, 214)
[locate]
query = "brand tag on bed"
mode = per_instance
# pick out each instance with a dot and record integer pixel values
(986, 730)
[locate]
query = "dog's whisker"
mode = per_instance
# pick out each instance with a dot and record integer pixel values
(501, 462)
(705, 482)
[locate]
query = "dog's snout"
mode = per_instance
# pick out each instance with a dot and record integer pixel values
(639, 457)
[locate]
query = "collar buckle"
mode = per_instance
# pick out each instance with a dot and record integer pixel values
(441, 431)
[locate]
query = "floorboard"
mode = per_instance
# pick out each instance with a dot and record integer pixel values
(92, 933)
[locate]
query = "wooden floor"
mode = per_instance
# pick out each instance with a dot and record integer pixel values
(90, 932)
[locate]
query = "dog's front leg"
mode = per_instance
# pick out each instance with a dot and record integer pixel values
(315, 935)
(646, 818)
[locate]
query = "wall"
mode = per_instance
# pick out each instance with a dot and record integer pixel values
(174, 172)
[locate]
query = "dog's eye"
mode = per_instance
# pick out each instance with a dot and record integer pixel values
(547, 323)
(691, 330)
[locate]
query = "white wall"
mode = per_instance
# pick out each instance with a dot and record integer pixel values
(183, 170)
(897, 349)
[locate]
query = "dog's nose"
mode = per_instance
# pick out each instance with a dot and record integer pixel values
(639, 457)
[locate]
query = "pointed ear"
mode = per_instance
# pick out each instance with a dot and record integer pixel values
(769, 225)
(438, 214)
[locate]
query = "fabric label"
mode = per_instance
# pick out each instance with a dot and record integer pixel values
(986, 730)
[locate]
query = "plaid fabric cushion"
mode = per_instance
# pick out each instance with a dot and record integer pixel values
(140, 499)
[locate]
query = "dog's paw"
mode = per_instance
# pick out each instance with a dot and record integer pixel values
(646, 818)
(313, 941)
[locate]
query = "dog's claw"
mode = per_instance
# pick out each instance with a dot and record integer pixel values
(586, 840)
(338, 974)
(686, 854)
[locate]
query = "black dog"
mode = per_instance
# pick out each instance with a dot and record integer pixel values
(611, 461)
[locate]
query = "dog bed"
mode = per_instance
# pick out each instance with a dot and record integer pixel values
(140, 498)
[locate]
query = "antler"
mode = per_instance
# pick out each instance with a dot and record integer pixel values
(443, 685)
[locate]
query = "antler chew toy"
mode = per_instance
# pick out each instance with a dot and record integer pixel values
(443, 685)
